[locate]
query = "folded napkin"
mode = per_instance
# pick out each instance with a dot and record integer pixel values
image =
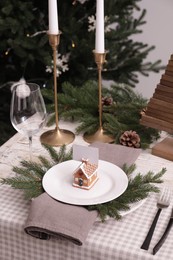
(50, 218)
(117, 154)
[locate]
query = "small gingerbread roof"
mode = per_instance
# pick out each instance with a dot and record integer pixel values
(87, 168)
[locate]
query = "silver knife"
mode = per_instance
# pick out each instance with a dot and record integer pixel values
(164, 236)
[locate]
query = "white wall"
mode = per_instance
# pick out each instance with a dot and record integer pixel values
(157, 31)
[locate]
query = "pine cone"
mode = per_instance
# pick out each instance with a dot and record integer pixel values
(107, 101)
(130, 139)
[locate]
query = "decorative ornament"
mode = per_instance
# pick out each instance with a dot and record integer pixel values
(61, 64)
(92, 24)
(22, 88)
(158, 114)
(130, 139)
(74, 2)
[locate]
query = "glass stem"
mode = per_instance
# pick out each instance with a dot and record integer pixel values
(30, 147)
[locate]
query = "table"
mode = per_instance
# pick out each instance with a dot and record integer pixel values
(118, 240)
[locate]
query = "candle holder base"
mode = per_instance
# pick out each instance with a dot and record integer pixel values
(98, 136)
(57, 137)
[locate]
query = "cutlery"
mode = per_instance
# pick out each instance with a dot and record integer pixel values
(164, 236)
(163, 202)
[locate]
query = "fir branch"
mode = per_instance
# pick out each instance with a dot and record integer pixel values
(155, 178)
(113, 126)
(29, 176)
(25, 173)
(129, 169)
(124, 113)
(63, 155)
(31, 188)
(36, 169)
(74, 114)
(89, 125)
(47, 164)
(138, 189)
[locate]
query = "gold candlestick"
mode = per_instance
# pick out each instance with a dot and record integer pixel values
(99, 135)
(56, 137)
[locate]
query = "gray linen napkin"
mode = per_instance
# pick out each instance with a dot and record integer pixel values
(50, 218)
(117, 154)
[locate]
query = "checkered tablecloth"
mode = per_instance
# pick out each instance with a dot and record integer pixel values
(112, 240)
(120, 240)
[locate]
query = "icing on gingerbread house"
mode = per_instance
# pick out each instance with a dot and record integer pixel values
(85, 176)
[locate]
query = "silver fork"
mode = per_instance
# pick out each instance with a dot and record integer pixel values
(163, 202)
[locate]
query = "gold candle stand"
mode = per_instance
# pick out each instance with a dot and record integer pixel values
(56, 137)
(99, 135)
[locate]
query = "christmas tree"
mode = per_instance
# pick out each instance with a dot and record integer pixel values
(25, 50)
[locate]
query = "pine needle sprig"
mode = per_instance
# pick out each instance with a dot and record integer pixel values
(58, 157)
(151, 177)
(34, 169)
(30, 174)
(47, 164)
(73, 114)
(89, 125)
(129, 169)
(114, 126)
(138, 189)
(31, 187)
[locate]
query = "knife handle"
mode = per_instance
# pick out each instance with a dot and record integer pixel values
(163, 238)
(148, 238)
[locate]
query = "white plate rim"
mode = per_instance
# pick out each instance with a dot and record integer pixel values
(120, 177)
(133, 206)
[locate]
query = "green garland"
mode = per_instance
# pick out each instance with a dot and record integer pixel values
(121, 110)
(29, 176)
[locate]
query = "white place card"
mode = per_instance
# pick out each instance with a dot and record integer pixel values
(84, 152)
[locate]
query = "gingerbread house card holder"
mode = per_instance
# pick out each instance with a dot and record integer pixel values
(86, 175)
(159, 112)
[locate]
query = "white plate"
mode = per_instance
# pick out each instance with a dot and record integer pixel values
(58, 180)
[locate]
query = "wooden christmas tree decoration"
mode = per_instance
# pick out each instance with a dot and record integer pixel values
(159, 112)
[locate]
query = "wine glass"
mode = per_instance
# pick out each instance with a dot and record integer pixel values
(27, 111)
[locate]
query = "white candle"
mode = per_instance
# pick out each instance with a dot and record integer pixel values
(100, 41)
(53, 17)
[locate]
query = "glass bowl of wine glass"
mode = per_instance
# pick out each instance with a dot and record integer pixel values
(27, 111)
